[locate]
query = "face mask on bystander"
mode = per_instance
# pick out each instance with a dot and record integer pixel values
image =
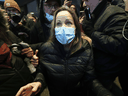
(49, 17)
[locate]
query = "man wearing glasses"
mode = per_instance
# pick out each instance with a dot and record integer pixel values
(41, 31)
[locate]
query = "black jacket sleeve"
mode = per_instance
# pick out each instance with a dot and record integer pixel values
(98, 89)
(13, 37)
(111, 40)
(40, 75)
(92, 82)
(40, 78)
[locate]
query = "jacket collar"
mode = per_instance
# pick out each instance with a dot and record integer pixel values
(80, 48)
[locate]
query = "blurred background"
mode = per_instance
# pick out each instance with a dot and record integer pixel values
(33, 5)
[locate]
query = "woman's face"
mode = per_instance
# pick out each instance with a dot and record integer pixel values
(64, 19)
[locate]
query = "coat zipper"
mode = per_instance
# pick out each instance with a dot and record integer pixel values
(66, 74)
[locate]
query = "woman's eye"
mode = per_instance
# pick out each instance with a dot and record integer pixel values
(59, 24)
(68, 23)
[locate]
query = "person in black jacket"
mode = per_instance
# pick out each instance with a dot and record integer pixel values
(106, 29)
(14, 12)
(66, 61)
(14, 72)
(41, 31)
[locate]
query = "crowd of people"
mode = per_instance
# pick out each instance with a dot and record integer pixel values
(73, 53)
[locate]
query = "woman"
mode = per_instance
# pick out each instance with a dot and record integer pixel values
(66, 61)
(13, 70)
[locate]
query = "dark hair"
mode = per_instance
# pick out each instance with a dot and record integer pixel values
(75, 9)
(77, 38)
(4, 27)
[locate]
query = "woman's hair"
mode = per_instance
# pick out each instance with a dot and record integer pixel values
(4, 27)
(77, 38)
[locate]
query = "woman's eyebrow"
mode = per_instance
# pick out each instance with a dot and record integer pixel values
(69, 20)
(65, 20)
(58, 20)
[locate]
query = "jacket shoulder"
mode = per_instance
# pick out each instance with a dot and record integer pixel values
(115, 9)
(46, 47)
(111, 15)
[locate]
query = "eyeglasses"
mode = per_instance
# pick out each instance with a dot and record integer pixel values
(51, 6)
(11, 9)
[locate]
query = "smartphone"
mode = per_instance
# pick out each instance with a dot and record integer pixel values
(87, 13)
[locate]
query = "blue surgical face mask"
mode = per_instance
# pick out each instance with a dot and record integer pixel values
(49, 17)
(65, 35)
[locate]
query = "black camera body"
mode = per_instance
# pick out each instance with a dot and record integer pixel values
(16, 48)
(15, 17)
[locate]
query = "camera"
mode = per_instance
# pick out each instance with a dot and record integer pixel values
(15, 17)
(16, 50)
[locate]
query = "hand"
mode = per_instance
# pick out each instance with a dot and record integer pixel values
(81, 20)
(35, 59)
(67, 3)
(20, 24)
(84, 4)
(29, 89)
(28, 52)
